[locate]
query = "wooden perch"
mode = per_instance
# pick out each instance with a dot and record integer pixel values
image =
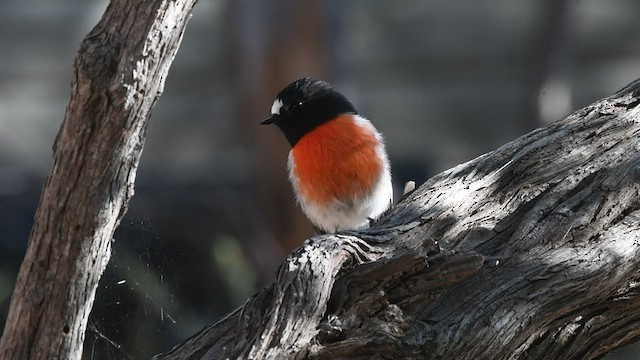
(530, 251)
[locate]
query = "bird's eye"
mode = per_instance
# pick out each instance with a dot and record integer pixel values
(294, 105)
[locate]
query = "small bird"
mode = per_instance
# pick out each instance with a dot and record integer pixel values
(338, 165)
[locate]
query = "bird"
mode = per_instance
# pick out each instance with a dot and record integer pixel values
(338, 165)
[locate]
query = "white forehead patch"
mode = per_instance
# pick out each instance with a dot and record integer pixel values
(275, 108)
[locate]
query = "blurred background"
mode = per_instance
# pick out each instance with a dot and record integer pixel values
(213, 214)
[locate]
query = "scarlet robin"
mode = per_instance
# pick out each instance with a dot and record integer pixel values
(338, 165)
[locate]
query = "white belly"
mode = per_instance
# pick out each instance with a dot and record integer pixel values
(340, 215)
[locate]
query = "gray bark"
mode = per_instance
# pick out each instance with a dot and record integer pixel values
(530, 251)
(119, 74)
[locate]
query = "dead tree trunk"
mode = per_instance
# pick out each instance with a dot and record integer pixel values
(119, 75)
(530, 251)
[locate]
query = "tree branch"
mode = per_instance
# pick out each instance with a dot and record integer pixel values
(530, 250)
(119, 74)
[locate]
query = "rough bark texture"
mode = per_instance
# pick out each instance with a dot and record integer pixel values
(118, 76)
(530, 251)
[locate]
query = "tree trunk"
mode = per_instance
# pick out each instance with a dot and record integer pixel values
(118, 76)
(530, 251)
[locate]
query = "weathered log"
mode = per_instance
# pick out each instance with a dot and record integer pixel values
(530, 251)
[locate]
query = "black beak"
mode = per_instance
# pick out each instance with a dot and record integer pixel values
(267, 121)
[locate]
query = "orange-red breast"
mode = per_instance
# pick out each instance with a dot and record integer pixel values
(338, 165)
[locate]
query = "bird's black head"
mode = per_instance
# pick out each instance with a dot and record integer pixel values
(305, 104)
